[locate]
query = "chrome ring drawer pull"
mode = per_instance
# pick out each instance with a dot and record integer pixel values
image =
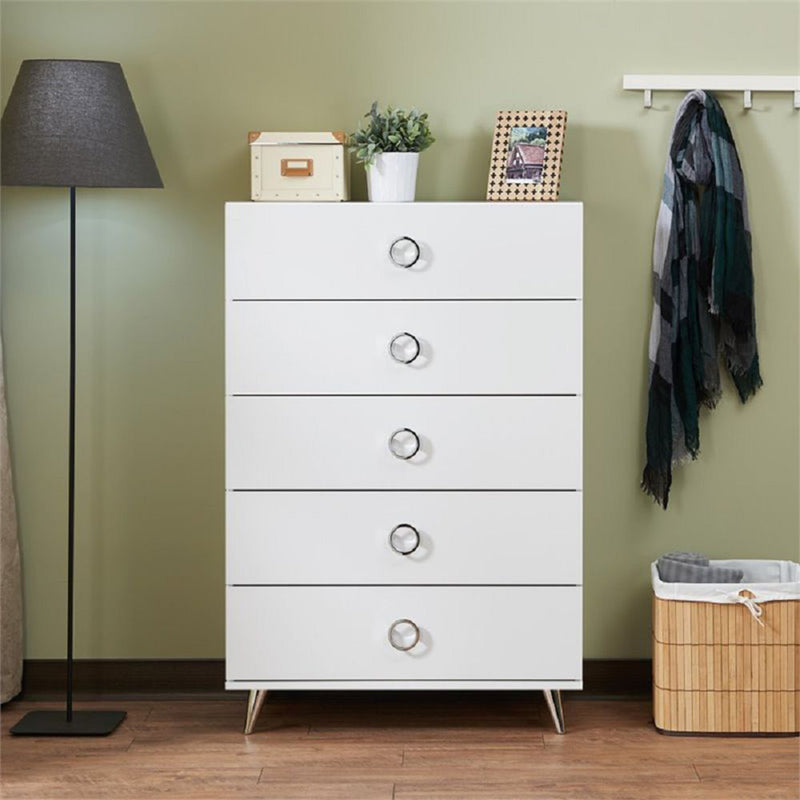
(403, 634)
(401, 344)
(404, 539)
(404, 444)
(404, 252)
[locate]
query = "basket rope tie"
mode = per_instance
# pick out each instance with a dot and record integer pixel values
(747, 600)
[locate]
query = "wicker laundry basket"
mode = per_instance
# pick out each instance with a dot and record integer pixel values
(726, 657)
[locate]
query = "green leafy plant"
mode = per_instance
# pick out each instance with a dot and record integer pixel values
(392, 131)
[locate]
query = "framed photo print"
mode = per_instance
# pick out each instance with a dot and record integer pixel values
(526, 155)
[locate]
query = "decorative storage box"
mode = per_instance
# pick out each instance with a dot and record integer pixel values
(299, 166)
(726, 657)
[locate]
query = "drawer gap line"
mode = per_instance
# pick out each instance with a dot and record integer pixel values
(405, 490)
(415, 394)
(407, 585)
(405, 299)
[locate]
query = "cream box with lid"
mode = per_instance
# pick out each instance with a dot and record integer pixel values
(299, 166)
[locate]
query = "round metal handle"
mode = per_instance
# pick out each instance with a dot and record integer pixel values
(404, 252)
(403, 634)
(404, 539)
(404, 444)
(404, 347)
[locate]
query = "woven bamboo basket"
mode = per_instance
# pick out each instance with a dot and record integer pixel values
(716, 670)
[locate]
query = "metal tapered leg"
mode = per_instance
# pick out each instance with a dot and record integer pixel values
(255, 700)
(553, 698)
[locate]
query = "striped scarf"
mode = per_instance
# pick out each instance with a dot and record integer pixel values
(702, 288)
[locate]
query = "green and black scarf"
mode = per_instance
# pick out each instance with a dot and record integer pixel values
(702, 288)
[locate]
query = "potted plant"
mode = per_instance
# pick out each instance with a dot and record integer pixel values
(389, 146)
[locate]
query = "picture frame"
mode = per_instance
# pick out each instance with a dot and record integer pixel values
(526, 157)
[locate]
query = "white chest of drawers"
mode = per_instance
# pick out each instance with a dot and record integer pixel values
(404, 447)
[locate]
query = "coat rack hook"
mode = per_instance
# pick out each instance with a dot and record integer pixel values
(744, 85)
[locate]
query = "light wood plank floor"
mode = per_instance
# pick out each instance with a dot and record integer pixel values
(393, 746)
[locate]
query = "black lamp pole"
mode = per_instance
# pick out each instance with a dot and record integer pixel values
(73, 123)
(71, 477)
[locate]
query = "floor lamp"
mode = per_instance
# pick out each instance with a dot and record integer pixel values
(73, 123)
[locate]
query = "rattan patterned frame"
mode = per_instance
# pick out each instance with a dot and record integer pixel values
(499, 187)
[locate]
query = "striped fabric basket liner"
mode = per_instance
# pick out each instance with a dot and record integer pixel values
(726, 657)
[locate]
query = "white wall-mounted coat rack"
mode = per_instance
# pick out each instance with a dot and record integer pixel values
(747, 84)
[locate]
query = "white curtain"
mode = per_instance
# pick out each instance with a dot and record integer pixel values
(10, 573)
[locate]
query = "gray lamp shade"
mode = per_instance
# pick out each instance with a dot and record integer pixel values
(74, 123)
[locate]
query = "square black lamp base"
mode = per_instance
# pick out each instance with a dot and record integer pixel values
(54, 723)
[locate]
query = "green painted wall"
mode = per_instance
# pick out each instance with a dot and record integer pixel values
(150, 499)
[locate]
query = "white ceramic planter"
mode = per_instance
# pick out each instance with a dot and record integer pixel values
(392, 178)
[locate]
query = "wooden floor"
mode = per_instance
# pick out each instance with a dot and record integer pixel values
(400, 746)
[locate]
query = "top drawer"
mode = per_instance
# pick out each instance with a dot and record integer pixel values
(479, 251)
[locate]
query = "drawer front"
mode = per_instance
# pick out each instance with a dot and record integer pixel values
(465, 251)
(481, 347)
(439, 537)
(342, 633)
(344, 442)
